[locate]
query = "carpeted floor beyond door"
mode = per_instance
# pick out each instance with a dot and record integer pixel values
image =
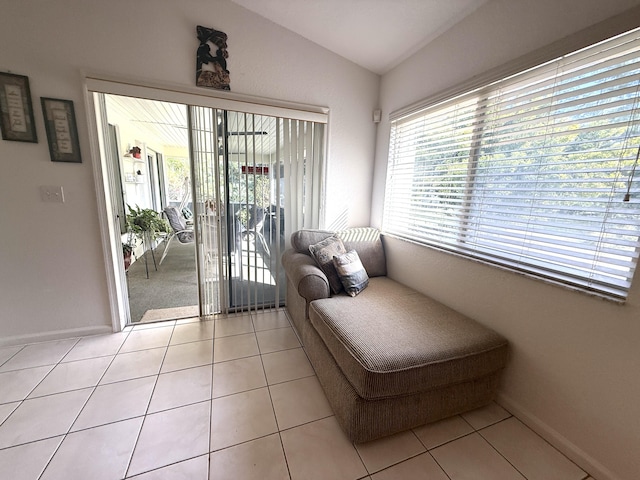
(173, 286)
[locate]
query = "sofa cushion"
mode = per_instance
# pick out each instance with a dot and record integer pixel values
(364, 420)
(368, 243)
(391, 340)
(351, 272)
(303, 239)
(323, 252)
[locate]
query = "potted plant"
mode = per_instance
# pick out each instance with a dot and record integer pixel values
(143, 222)
(147, 225)
(127, 249)
(136, 152)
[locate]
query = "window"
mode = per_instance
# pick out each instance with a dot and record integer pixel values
(534, 172)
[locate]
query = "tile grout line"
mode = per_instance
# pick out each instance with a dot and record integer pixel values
(155, 469)
(426, 451)
(44, 469)
(26, 397)
(65, 435)
(587, 474)
(279, 431)
(21, 402)
(128, 465)
(94, 387)
(474, 430)
(33, 441)
(511, 416)
(307, 423)
(213, 346)
(144, 418)
(161, 466)
(433, 448)
(55, 363)
(14, 354)
(273, 409)
(438, 463)
(479, 432)
(85, 405)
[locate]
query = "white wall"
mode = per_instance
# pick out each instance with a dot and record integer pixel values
(575, 368)
(52, 277)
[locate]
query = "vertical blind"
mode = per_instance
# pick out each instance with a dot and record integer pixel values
(257, 178)
(536, 172)
(301, 149)
(208, 193)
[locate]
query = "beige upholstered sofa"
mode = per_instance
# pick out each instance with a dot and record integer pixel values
(390, 358)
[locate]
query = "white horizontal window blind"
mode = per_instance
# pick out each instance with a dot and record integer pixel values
(534, 172)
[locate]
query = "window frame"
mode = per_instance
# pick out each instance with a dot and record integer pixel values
(480, 87)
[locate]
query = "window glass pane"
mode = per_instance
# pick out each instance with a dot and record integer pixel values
(530, 172)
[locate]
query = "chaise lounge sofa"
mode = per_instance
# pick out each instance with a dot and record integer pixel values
(388, 358)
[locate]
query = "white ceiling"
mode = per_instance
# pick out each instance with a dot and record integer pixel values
(166, 123)
(162, 121)
(375, 34)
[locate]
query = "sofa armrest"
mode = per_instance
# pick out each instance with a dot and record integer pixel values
(305, 275)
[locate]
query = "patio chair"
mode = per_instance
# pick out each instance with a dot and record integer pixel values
(179, 228)
(257, 217)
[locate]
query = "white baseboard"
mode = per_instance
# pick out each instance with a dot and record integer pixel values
(569, 449)
(54, 335)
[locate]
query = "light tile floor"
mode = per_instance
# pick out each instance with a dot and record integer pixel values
(230, 398)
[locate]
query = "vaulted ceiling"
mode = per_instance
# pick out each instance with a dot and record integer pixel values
(375, 34)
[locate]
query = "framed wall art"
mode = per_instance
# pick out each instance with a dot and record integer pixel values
(16, 109)
(62, 130)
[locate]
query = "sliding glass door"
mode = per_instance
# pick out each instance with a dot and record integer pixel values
(250, 172)
(254, 176)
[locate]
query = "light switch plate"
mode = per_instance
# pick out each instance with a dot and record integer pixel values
(51, 193)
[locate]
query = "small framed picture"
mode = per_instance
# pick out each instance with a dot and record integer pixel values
(16, 119)
(62, 130)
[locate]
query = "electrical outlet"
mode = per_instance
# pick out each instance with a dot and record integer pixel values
(51, 193)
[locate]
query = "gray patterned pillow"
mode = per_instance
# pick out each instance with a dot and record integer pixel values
(323, 253)
(352, 274)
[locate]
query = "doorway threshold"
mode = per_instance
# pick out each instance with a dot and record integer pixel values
(174, 313)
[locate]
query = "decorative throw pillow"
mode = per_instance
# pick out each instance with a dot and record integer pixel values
(352, 274)
(323, 252)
